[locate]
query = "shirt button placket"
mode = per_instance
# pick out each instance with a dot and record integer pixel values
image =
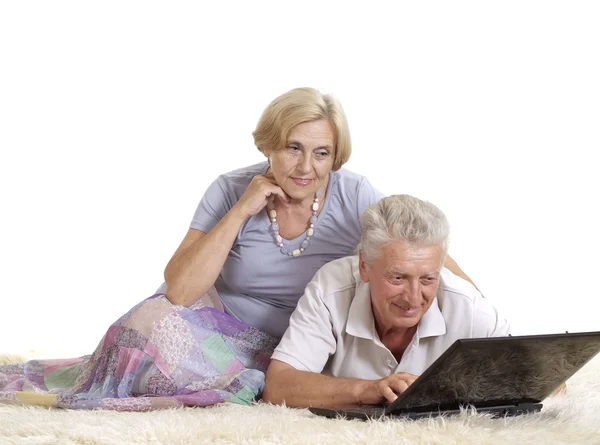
(390, 364)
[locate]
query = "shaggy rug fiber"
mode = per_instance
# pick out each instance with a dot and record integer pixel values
(570, 418)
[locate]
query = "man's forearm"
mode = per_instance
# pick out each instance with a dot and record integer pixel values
(302, 389)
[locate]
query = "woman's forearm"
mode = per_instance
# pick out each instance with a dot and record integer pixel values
(451, 265)
(193, 271)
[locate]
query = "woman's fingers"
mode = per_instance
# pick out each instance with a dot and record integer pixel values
(282, 195)
(260, 191)
(277, 190)
(270, 177)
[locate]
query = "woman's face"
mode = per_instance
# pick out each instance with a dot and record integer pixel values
(302, 167)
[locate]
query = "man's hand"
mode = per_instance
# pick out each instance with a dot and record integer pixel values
(387, 388)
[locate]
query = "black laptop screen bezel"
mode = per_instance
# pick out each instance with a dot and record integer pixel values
(399, 406)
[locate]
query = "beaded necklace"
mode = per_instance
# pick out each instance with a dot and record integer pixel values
(309, 232)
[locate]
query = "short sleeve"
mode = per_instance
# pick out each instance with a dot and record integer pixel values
(367, 195)
(214, 205)
(487, 322)
(309, 341)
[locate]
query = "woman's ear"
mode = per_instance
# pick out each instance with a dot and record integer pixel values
(267, 154)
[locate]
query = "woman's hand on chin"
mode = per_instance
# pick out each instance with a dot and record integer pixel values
(261, 190)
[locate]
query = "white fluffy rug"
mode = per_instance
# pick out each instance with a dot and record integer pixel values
(571, 418)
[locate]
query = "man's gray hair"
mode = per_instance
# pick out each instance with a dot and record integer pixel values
(402, 218)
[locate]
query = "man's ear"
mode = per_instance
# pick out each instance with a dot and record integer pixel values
(363, 267)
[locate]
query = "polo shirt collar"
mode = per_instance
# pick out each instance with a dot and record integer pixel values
(360, 317)
(432, 323)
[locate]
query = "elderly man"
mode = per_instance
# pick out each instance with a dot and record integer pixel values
(367, 326)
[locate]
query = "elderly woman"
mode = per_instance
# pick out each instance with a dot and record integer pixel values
(258, 236)
(261, 232)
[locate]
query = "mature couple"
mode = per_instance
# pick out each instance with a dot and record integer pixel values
(266, 277)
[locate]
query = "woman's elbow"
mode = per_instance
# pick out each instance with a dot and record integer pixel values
(177, 296)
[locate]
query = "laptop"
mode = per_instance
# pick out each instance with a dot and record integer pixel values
(500, 375)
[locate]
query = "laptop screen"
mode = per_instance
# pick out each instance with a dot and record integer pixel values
(499, 371)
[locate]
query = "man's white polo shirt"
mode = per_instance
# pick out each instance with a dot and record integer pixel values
(332, 331)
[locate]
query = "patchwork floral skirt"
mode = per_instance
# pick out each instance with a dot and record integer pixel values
(157, 355)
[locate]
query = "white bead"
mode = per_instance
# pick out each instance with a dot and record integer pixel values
(296, 252)
(312, 225)
(310, 232)
(280, 244)
(316, 199)
(301, 249)
(279, 239)
(315, 206)
(273, 214)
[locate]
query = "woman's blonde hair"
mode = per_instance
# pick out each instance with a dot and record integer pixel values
(296, 107)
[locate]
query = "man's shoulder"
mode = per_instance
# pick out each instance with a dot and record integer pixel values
(462, 304)
(337, 276)
(461, 288)
(457, 295)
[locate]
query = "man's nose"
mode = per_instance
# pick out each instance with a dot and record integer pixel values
(414, 293)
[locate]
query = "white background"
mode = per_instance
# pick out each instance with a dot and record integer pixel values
(115, 117)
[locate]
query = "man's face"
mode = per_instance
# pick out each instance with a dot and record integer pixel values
(404, 282)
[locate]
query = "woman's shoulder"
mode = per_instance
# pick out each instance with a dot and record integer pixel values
(343, 174)
(346, 182)
(237, 181)
(246, 173)
(353, 192)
